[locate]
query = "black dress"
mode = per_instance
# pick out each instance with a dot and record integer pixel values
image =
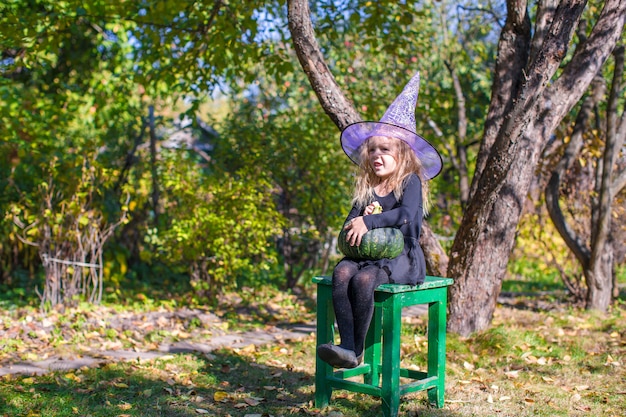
(410, 266)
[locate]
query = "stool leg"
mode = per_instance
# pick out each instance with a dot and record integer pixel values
(390, 388)
(325, 327)
(437, 348)
(372, 347)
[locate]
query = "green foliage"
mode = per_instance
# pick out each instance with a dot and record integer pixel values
(220, 225)
(279, 136)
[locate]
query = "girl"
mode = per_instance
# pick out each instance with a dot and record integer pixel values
(394, 164)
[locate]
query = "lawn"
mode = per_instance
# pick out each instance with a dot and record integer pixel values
(554, 361)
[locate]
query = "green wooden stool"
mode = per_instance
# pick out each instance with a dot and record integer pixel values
(381, 361)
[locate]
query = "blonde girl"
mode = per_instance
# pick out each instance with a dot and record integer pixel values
(394, 164)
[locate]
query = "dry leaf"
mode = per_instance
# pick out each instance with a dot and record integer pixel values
(512, 374)
(124, 406)
(202, 411)
(252, 401)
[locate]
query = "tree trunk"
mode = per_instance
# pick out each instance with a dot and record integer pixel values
(482, 246)
(599, 278)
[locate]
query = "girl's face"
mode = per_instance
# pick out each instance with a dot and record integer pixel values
(382, 154)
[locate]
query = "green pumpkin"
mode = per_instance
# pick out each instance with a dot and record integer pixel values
(384, 242)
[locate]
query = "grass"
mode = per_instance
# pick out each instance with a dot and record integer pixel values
(560, 362)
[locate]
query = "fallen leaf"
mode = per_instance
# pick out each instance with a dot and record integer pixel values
(512, 374)
(124, 406)
(202, 411)
(251, 401)
(220, 396)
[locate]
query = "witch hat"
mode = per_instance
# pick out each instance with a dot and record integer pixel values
(397, 122)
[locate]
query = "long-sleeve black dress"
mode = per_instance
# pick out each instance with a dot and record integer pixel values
(409, 267)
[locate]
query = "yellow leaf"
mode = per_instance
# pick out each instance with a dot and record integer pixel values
(120, 385)
(220, 396)
(73, 377)
(124, 406)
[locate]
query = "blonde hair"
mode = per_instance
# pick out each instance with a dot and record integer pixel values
(407, 163)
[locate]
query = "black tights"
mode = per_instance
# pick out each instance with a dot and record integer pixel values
(353, 301)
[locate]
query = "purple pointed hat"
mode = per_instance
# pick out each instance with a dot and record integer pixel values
(397, 122)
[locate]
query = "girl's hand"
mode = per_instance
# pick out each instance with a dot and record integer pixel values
(356, 229)
(373, 208)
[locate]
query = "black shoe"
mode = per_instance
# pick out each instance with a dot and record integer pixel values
(336, 356)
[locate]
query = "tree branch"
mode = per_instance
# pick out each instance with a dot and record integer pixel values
(513, 50)
(574, 242)
(340, 110)
(589, 58)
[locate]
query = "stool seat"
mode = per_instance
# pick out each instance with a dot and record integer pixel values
(381, 369)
